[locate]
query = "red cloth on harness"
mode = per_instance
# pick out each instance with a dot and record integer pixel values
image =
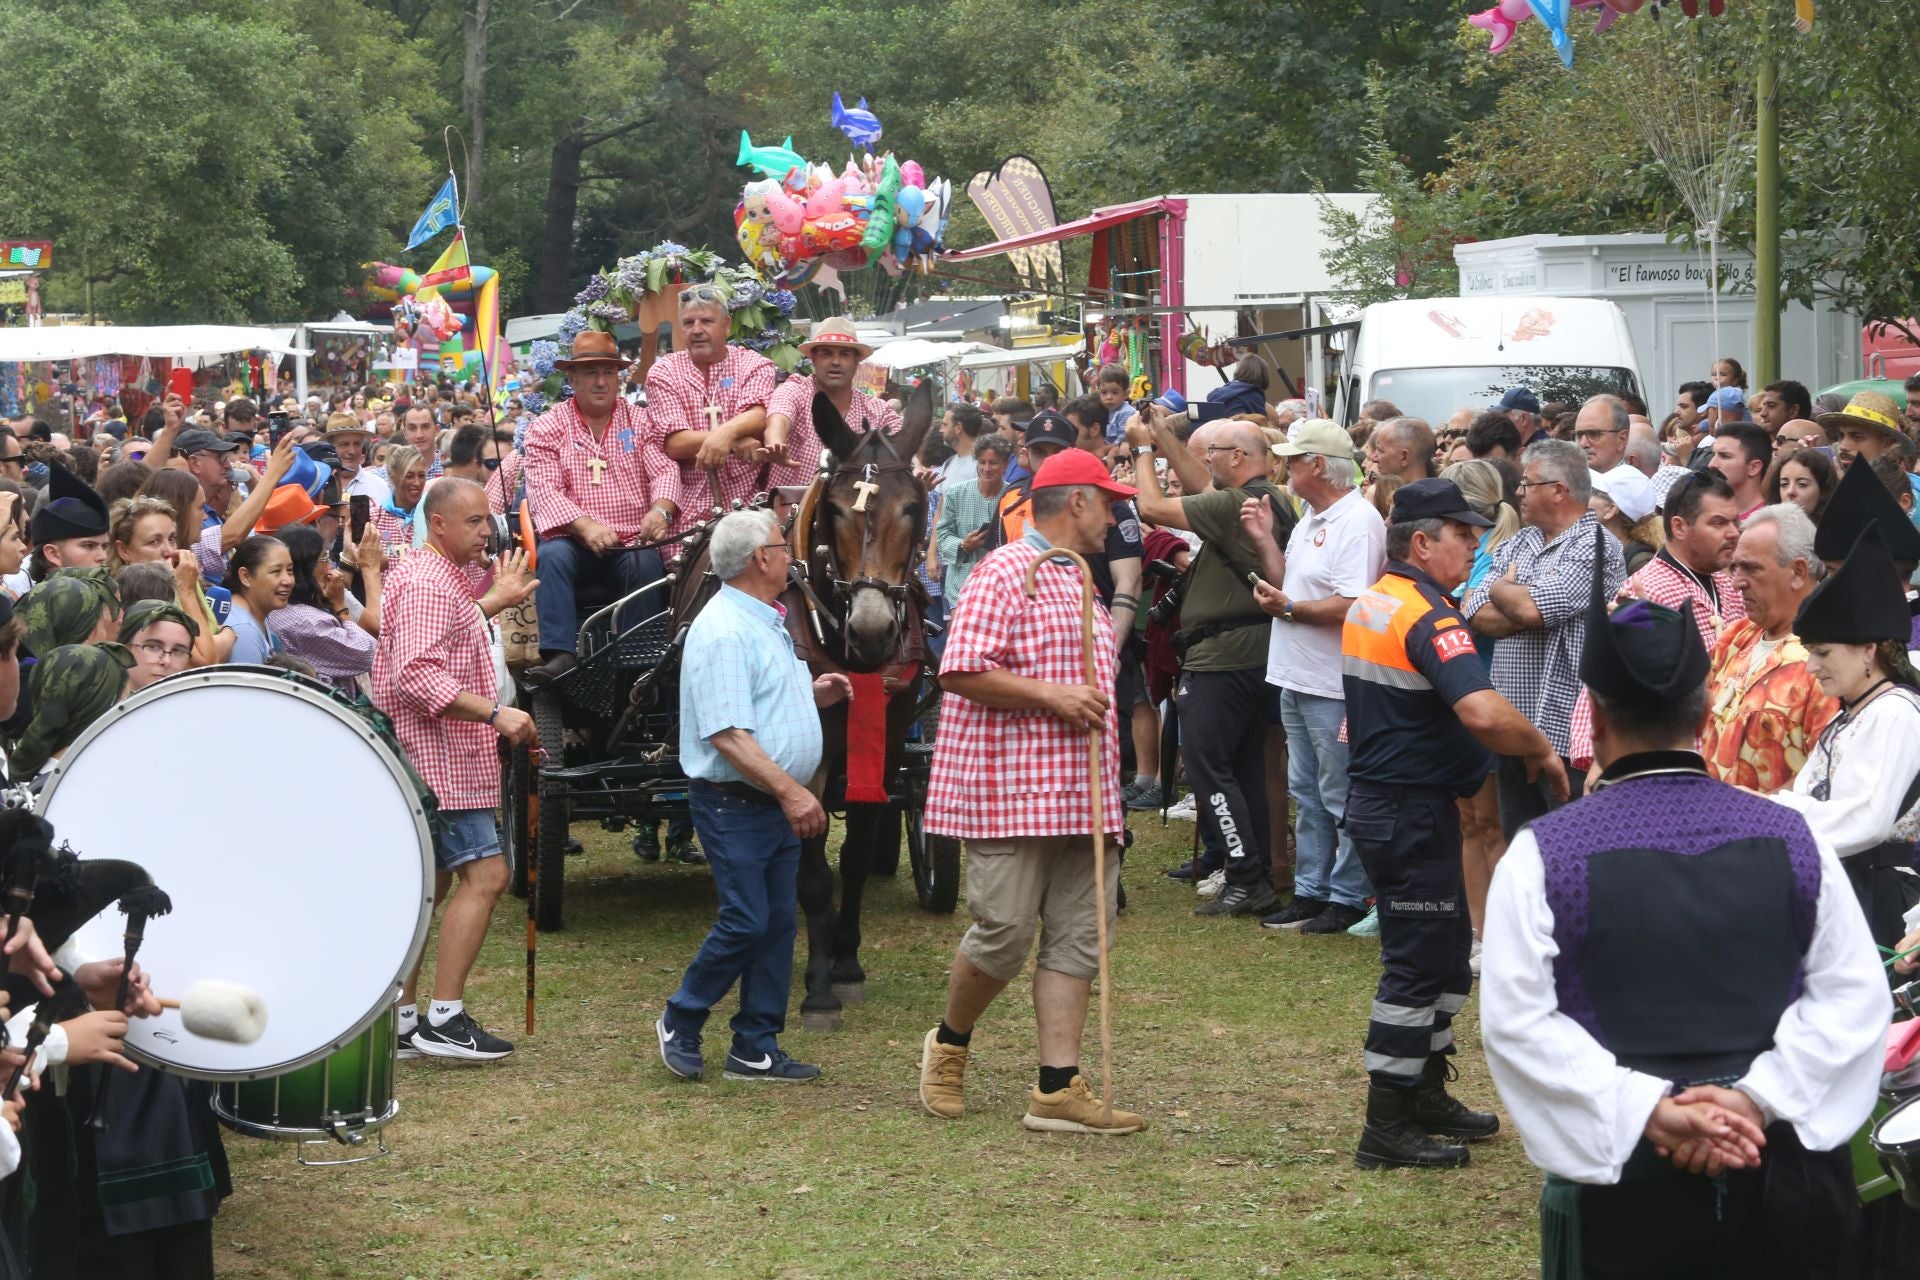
(867, 739)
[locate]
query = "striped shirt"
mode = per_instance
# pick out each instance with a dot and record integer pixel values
(963, 508)
(742, 673)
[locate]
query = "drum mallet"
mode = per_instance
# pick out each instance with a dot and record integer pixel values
(1094, 735)
(218, 1010)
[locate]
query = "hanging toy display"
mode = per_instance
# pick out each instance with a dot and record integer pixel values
(796, 218)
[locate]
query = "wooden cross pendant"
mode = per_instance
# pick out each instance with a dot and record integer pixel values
(598, 465)
(866, 489)
(713, 417)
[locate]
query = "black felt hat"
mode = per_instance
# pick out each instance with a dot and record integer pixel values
(1858, 501)
(72, 509)
(1861, 602)
(1641, 653)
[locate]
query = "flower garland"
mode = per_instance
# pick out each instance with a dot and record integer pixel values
(761, 314)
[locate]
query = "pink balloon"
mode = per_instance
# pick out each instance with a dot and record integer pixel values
(1501, 20)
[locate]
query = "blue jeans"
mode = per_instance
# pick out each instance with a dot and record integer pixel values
(1325, 866)
(565, 566)
(755, 858)
(469, 835)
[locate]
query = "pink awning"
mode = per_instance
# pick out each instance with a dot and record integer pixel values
(1098, 220)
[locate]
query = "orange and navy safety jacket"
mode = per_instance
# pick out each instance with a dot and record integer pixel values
(1406, 657)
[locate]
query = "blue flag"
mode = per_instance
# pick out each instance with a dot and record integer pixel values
(444, 212)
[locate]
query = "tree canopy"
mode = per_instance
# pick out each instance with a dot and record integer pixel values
(236, 159)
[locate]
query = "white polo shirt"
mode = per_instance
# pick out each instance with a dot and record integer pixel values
(1337, 552)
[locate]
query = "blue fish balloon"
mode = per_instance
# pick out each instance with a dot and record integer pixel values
(861, 126)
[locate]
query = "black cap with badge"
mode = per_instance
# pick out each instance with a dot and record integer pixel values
(1434, 499)
(1048, 427)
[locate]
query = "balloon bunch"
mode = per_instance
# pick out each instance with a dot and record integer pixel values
(1501, 20)
(796, 217)
(424, 319)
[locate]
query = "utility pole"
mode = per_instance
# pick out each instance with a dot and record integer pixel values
(1766, 223)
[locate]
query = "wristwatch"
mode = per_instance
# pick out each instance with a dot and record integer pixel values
(1286, 612)
(1141, 450)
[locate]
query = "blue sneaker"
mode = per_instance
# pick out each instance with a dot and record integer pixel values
(679, 1050)
(767, 1066)
(1368, 925)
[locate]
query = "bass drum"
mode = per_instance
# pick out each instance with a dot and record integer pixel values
(302, 866)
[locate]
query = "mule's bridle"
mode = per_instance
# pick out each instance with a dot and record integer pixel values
(839, 590)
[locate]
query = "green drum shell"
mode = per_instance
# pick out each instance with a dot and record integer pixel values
(351, 1088)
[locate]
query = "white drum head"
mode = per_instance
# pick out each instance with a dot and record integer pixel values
(1899, 1126)
(291, 841)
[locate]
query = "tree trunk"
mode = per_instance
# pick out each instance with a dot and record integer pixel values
(473, 98)
(553, 288)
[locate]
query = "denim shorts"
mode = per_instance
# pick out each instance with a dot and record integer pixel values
(467, 836)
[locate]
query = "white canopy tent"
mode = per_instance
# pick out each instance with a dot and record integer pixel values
(182, 342)
(996, 357)
(914, 353)
(341, 323)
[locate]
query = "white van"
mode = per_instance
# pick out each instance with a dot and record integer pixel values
(1432, 356)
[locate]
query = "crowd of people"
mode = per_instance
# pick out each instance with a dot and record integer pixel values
(1378, 656)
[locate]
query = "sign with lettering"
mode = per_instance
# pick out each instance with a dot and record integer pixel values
(1675, 275)
(1515, 277)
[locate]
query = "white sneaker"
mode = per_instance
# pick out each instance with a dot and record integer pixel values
(1182, 809)
(1473, 960)
(1212, 885)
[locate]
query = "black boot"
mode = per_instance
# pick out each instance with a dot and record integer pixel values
(555, 663)
(1439, 1112)
(1394, 1140)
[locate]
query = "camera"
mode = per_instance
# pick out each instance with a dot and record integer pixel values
(502, 535)
(1166, 609)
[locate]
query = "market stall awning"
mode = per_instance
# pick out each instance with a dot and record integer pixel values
(1095, 221)
(1021, 355)
(913, 353)
(170, 342)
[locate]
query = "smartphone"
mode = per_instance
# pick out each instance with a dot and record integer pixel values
(359, 512)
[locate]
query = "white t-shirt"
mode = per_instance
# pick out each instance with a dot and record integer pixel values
(1337, 552)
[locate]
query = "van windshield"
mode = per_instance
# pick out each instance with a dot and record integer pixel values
(1434, 394)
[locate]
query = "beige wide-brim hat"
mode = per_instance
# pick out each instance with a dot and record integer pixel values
(1867, 409)
(838, 333)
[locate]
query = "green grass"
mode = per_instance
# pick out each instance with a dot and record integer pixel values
(580, 1157)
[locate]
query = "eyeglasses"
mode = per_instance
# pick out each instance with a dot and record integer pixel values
(1223, 448)
(156, 651)
(14, 459)
(1535, 484)
(782, 545)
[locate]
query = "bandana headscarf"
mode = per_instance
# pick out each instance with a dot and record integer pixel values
(142, 614)
(72, 687)
(63, 610)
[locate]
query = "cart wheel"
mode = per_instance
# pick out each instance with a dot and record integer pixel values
(516, 776)
(936, 866)
(550, 840)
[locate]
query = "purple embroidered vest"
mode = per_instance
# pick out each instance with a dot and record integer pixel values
(1682, 909)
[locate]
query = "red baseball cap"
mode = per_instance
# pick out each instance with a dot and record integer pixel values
(1077, 466)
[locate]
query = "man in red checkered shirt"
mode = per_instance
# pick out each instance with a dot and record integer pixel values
(597, 485)
(708, 407)
(1010, 780)
(433, 675)
(792, 444)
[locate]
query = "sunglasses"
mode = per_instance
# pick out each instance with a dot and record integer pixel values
(702, 293)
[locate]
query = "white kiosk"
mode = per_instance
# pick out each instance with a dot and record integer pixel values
(1662, 288)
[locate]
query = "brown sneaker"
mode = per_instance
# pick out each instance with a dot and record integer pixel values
(943, 1075)
(1075, 1110)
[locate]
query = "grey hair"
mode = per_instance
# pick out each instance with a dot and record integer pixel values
(735, 539)
(1643, 448)
(1400, 536)
(1337, 472)
(1793, 537)
(1618, 419)
(1562, 460)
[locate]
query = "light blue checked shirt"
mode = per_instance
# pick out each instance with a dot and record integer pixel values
(741, 673)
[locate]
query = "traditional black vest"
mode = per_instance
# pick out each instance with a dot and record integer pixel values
(1682, 908)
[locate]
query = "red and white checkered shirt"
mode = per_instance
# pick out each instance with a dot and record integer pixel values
(794, 399)
(560, 485)
(1001, 774)
(1663, 584)
(433, 648)
(504, 480)
(678, 393)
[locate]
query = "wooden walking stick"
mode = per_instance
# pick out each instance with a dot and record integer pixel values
(1094, 735)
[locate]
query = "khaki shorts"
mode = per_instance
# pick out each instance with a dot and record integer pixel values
(1036, 883)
